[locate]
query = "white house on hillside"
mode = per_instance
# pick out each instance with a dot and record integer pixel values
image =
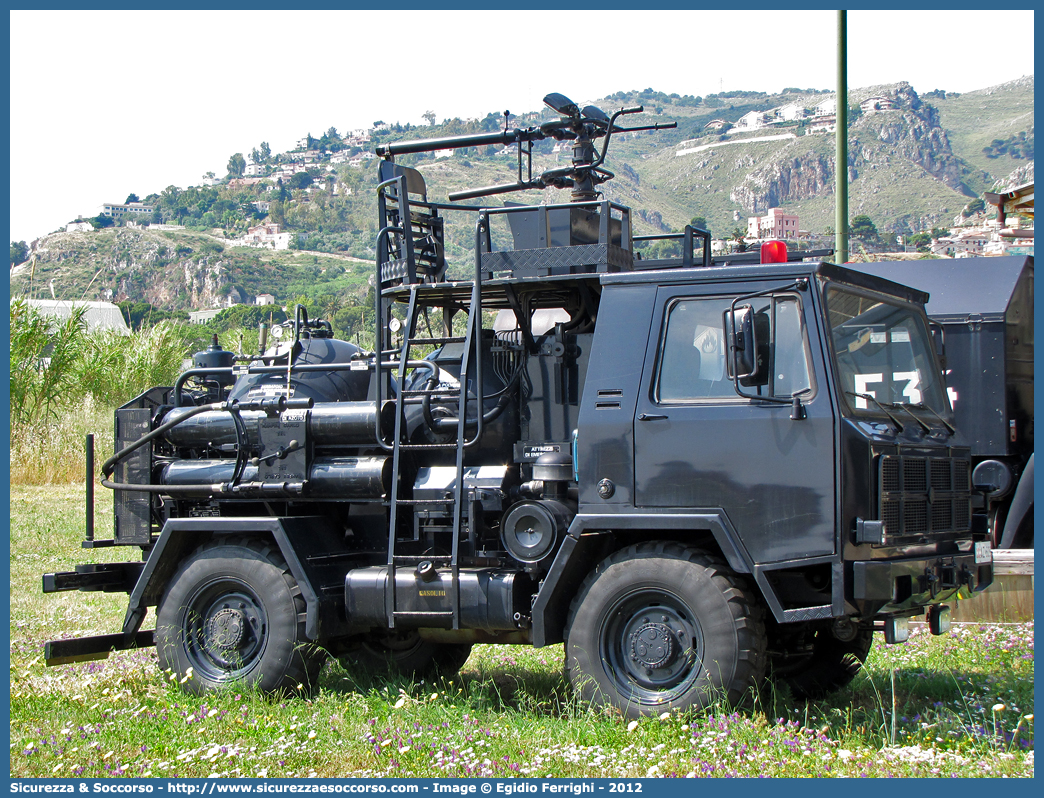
(791, 112)
(268, 236)
(827, 107)
(752, 121)
(118, 210)
(871, 104)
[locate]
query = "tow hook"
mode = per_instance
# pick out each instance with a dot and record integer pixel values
(967, 577)
(931, 582)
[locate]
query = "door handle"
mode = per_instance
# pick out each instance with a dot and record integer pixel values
(651, 417)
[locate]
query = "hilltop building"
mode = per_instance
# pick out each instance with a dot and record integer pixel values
(774, 224)
(134, 210)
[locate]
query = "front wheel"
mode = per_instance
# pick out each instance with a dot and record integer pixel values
(659, 627)
(233, 614)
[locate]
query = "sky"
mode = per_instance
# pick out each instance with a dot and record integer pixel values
(108, 103)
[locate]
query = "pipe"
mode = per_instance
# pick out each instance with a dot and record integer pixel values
(841, 143)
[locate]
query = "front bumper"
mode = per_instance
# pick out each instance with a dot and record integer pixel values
(907, 585)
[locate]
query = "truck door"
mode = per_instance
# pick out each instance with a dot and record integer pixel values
(697, 444)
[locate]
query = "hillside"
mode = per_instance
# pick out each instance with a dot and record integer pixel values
(912, 166)
(182, 270)
(974, 119)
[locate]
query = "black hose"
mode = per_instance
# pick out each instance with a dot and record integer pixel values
(449, 424)
(110, 465)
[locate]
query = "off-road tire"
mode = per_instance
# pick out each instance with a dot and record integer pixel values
(233, 614)
(405, 654)
(660, 626)
(832, 664)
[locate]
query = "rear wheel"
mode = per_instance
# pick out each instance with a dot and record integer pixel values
(233, 614)
(661, 626)
(406, 653)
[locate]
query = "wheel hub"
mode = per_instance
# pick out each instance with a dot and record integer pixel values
(226, 629)
(653, 645)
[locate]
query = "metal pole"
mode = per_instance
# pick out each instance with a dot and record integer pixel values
(841, 140)
(89, 465)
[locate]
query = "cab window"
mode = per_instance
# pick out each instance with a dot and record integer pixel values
(693, 364)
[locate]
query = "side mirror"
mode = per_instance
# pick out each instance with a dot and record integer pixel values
(747, 335)
(744, 343)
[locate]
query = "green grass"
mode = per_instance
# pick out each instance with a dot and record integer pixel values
(508, 713)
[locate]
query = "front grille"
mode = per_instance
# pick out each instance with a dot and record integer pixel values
(942, 479)
(942, 515)
(922, 496)
(915, 520)
(889, 474)
(915, 477)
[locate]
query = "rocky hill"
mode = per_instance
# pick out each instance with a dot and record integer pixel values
(912, 166)
(181, 270)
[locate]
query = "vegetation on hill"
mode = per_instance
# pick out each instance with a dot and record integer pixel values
(975, 119)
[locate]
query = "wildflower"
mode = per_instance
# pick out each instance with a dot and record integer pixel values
(632, 725)
(999, 707)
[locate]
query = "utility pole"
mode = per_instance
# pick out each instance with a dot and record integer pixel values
(841, 141)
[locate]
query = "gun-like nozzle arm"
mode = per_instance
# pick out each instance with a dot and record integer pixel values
(457, 142)
(504, 188)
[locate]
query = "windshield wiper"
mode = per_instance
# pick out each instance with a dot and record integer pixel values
(943, 421)
(874, 399)
(906, 406)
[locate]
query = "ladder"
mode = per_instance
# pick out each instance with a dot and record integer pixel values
(398, 360)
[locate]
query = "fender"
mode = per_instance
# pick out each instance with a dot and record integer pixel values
(589, 540)
(310, 545)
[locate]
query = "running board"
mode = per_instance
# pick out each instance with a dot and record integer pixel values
(83, 649)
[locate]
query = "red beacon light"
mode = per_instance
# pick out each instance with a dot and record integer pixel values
(774, 252)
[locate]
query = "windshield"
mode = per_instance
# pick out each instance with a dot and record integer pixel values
(884, 353)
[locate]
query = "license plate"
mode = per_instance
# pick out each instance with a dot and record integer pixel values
(983, 553)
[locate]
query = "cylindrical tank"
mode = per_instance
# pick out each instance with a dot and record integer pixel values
(489, 599)
(328, 477)
(344, 385)
(327, 424)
